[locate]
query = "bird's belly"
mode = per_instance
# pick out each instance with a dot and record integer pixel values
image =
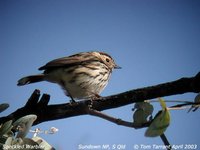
(84, 86)
(79, 86)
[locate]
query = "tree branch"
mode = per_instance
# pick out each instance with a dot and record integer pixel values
(47, 112)
(126, 124)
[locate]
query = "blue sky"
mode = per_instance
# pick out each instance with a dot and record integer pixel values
(153, 41)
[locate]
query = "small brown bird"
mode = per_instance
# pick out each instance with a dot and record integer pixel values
(83, 75)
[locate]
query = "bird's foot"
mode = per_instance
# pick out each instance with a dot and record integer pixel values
(72, 101)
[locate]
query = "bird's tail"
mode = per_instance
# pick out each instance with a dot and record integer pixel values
(30, 79)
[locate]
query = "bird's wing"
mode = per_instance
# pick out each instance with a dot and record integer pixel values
(68, 61)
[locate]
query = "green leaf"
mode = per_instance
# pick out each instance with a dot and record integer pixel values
(143, 111)
(17, 141)
(160, 122)
(25, 144)
(9, 141)
(6, 127)
(196, 100)
(3, 107)
(162, 103)
(23, 125)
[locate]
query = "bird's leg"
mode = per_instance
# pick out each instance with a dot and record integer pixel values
(97, 96)
(72, 101)
(62, 83)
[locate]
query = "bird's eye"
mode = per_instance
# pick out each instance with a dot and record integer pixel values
(107, 60)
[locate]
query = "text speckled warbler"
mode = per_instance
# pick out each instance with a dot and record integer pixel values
(83, 75)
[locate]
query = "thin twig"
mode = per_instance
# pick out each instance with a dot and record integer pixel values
(116, 120)
(171, 101)
(165, 141)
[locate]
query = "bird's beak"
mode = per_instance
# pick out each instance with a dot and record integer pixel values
(117, 67)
